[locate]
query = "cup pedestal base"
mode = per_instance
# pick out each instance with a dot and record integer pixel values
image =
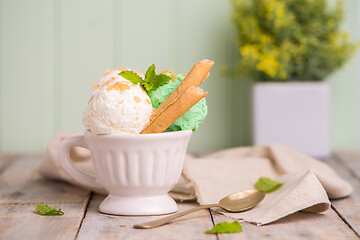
(138, 205)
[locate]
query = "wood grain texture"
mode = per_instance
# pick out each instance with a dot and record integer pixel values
(296, 226)
(5, 161)
(103, 226)
(20, 183)
(348, 167)
(21, 189)
(19, 221)
(350, 161)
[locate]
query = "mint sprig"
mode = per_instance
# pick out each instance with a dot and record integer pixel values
(267, 185)
(151, 81)
(150, 74)
(44, 209)
(225, 227)
(131, 76)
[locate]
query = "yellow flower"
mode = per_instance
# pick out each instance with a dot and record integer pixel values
(345, 35)
(268, 65)
(285, 39)
(265, 39)
(249, 53)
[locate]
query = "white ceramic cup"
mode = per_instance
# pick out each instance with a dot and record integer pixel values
(136, 170)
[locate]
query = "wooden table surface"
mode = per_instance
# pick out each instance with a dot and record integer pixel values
(21, 189)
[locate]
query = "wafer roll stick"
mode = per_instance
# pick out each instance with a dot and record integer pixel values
(198, 73)
(173, 111)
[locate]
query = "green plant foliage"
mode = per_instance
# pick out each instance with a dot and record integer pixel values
(290, 40)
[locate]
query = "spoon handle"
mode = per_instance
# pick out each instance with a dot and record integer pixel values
(162, 221)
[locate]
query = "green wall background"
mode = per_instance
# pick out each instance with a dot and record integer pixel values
(52, 50)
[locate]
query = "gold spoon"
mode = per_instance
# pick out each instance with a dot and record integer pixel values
(237, 202)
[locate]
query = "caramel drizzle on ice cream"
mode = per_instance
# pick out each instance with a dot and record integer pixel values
(90, 99)
(95, 85)
(137, 99)
(119, 86)
(107, 82)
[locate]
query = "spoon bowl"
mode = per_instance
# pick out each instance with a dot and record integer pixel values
(242, 201)
(237, 202)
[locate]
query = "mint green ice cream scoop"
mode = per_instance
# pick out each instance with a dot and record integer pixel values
(191, 119)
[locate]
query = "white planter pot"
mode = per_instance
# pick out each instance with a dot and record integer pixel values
(294, 114)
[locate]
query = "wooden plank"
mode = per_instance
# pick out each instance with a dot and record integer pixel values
(146, 33)
(300, 225)
(351, 161)
(84, 49)
(21, 189)
(102, 226)
(19, 221)
(206, 32)
(5, 161)
(348, 208)
(22, 184)
(26, 120)
(345, 120)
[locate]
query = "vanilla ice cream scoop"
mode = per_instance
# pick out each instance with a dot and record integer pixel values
(117, 106)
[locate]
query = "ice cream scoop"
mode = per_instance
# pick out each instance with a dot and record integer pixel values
(117, 106)
(192, 118)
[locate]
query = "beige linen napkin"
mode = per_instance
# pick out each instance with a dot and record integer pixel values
(307, 183)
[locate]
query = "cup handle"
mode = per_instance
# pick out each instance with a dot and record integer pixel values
(64, 158)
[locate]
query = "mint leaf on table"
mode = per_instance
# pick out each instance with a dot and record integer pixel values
(44, 209)
(225, 227)
(132, 77)
(267, 185)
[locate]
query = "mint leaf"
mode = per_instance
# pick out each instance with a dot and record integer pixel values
(267, 185)
(150, 73)
(132, 77)
(44, 209)
(153, 81)
(150, 76)
(225, 227)
(148, 86)
(161, 80)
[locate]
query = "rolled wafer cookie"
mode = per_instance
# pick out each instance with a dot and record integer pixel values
(174, 110)
(198, 73)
